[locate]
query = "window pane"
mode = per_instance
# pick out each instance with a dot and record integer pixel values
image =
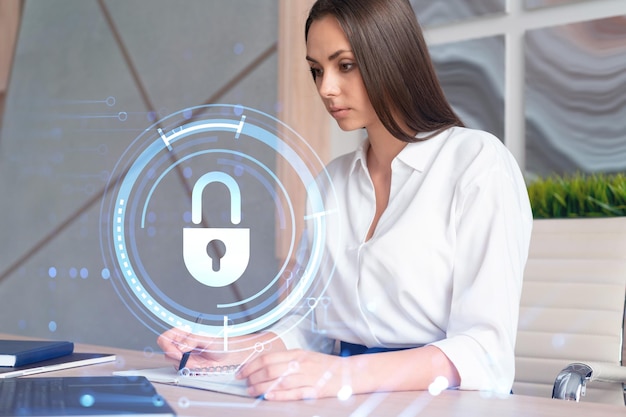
(437, 12)
(535, 4)
(472, 76)
(575, 104)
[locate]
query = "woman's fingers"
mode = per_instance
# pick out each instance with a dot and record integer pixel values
(206, 352)
(292, 375)
(171, 343)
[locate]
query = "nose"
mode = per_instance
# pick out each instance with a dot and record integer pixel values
(329, 85)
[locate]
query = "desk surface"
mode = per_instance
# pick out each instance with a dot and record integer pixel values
(193, 402)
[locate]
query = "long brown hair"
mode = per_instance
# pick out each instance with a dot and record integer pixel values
(393, 58)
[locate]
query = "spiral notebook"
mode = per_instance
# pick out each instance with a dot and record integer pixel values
(73, 360)
(214, 379)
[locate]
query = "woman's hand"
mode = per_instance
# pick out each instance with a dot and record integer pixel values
(296, 374)
(299, 374)
(209, 351)
(175, 342)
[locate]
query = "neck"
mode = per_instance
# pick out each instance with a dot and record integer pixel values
(383, 148)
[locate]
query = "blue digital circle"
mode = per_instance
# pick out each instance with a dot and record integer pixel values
(146, 165)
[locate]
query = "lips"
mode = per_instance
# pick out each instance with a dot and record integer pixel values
(338, 112)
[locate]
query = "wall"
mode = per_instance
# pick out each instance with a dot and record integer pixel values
(9, 21)
(89, 78)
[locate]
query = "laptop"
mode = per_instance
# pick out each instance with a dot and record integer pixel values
(81, 396)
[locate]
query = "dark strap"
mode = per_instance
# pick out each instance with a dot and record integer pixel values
(350, 349)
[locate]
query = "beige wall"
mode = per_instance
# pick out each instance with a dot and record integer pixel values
(302, 110)
(9, 22)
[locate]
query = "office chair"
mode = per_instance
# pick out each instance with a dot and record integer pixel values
(571, 325)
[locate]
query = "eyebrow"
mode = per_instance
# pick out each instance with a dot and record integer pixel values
(332, 56)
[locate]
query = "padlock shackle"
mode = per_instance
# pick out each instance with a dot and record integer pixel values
(233, 189)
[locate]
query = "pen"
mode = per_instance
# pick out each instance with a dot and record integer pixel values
(183, 360)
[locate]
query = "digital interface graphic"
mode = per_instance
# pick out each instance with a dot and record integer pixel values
(218, 281)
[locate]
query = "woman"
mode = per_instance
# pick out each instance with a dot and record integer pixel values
(437, 227)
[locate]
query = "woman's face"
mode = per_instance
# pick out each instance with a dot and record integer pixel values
(337, 76)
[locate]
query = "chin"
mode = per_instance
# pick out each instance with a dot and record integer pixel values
(348, 127)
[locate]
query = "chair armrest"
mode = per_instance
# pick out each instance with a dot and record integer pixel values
(571, 382)
(607, 372)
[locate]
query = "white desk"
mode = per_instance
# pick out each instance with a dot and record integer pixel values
(192, 402)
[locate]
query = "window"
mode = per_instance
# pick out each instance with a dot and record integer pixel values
(556, 67)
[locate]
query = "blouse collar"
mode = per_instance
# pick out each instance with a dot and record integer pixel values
(416, 155)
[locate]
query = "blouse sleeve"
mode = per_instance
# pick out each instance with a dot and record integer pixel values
(493, 221)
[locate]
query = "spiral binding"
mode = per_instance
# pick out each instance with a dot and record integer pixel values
(208, 371)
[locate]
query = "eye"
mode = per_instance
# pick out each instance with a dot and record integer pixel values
(316, 72)
(347, 66)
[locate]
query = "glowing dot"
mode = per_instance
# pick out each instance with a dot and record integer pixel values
(73, 272)
(52, 326)
(187, 114)
(187, 172)
(238, 48)
(238, 109)
(87, 400)
(52, 272)
(558, 341)
(152, 217)
(84, 273)
(106, 274)
(439, 385)
(293, 366)
(151, 231)
(344, 393)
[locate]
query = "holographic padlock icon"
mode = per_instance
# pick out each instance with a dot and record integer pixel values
(235, 259)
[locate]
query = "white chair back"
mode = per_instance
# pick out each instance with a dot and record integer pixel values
(572, 307)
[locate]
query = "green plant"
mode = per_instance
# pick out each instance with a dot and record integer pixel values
(578, 195)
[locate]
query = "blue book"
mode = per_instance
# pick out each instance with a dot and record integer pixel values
(23, 352)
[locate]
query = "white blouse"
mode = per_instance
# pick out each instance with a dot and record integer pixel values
(445, 263)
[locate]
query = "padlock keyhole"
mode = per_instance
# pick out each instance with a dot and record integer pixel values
(216, 249)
